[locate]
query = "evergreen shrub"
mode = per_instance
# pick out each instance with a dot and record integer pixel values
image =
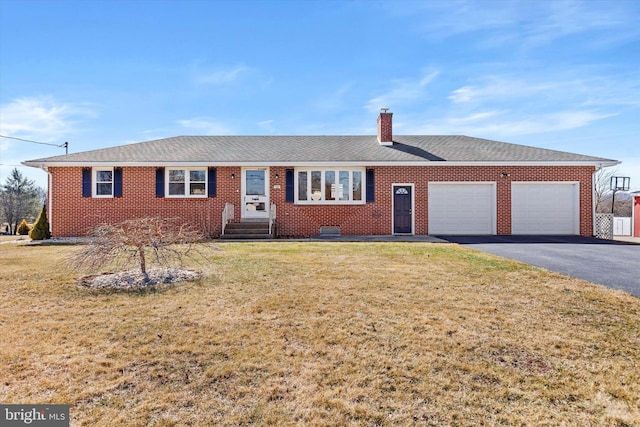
(40, 230)
(23, 228)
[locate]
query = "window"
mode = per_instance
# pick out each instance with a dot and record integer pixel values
(103, 182)
(187, 182)
(198, 182)
(302, 185)
(329, 186)
(357, 185)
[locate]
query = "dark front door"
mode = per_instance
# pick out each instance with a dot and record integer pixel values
(402, 215)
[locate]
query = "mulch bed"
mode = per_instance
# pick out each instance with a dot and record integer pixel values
(134, 279)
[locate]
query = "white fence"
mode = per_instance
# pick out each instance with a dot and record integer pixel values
(622, 226)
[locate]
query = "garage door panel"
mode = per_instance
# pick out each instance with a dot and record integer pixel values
(544, 208)
(456, 208)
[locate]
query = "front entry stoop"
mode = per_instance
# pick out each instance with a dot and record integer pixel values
(247, 229)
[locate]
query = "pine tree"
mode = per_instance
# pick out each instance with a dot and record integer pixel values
(19, 198)
(40, 230)
(23, 228)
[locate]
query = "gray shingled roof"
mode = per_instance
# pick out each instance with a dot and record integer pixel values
(320, 149)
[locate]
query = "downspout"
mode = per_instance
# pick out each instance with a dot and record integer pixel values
(49, 202)
(633, 216)
(593, 199)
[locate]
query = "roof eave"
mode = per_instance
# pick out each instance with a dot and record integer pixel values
(600, 163)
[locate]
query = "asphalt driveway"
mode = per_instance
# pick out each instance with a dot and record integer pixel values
(605, 262)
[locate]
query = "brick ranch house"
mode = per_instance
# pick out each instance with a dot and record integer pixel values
(355, 185)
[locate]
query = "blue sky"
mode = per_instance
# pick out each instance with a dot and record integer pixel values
(563, 75)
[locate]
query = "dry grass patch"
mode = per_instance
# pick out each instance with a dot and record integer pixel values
(323, 334)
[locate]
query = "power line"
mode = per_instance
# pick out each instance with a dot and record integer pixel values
(64, 145)
(28, 140)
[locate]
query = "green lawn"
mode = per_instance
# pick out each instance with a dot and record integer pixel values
(289, 333)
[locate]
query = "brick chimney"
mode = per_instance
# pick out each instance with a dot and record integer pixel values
(385, 131)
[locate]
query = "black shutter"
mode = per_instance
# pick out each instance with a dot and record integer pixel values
(289, 186)
(117, 182)
(371, 185)
(159, 182)
(212, 182)
(86, 182)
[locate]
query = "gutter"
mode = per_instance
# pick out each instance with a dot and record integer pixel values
(597, 163)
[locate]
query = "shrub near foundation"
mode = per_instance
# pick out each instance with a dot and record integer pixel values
(23, 228)
(40, 230)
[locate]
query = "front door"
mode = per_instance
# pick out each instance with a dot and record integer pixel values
(255, 193)
(402, 209)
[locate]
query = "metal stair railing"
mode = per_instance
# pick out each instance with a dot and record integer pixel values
(227, 215)
(272, 217)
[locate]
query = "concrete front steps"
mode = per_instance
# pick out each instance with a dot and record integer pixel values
(247, 229)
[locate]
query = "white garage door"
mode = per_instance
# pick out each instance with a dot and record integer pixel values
(460, 208)
(545, 208)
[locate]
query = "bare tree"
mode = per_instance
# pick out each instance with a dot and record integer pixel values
(604, 194)
(602, 189)
(623, 205)
(166, 242)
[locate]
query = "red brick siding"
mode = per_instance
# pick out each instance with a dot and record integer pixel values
(385, 127)
(74, 215)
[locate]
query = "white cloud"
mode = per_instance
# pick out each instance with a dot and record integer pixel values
(267, 125)
(463, 94)
(563, 120)
(450, 18)
(205, 126)
(474, 117)
(498, 87)
(538, 104)
(219, 75)
(428, 78)
(619, 90)
(504, 124)
(534, 124)
(41, 118)
(152, 131)
(525, 24)
(402, 91)
(570, 17)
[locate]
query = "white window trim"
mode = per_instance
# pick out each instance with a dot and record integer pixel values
(94, 182)
(323, 169)
(187, 182)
